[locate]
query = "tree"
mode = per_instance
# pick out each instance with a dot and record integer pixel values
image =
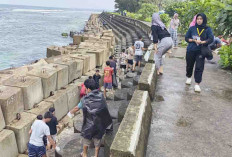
(129, 5)
(147, 10)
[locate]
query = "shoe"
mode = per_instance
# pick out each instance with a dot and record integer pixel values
(188, 81)
(197, 88)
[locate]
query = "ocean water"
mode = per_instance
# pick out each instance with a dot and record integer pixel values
(26, 32)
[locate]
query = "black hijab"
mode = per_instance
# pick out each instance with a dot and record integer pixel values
(203, 25)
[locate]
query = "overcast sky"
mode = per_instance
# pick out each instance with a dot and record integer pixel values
(96, 4)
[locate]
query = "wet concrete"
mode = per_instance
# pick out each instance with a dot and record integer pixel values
(189, 124)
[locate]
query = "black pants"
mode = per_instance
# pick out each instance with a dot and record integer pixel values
(193, 57)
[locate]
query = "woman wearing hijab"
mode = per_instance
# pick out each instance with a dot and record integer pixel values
(173, 29)
(193, 23)
(161, 40)
(198, 36)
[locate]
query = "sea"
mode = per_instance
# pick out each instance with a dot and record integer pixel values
(27, 31)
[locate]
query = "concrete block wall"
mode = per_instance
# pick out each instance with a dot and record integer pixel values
(51, 82)
(132, 135)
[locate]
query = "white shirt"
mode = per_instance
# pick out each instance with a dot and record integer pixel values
(138, 48)
(39, 129)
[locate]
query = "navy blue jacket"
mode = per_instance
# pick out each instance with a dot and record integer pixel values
(207, 36)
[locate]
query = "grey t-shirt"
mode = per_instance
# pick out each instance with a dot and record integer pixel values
(138, 48)
(39, 129)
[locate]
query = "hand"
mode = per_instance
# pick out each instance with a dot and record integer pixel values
(198, 42)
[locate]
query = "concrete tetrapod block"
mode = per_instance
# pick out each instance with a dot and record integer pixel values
(113, 107)
(4, 77)
(65, 60)
(73, 94)
(92, 60)
(31, 87)
(76, 39)
(147, 80)
(11, 102)
(62, 74)
(8, 145)
(86, 61)
(2, 120)
(49, 79)
(131, 138)
(77, 123)
(21, 129)
(41, 108)
(79, 68)
(60, 103)
(99, 56)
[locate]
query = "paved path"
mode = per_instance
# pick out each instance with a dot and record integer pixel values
(188, 124)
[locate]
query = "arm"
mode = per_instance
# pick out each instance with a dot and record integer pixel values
(51, 141)
(30, 131)
(188, 37)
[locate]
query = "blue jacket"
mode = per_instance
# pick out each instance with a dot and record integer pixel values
(207, 36)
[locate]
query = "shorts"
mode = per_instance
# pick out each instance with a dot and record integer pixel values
(87, 142)
(138, 58)
(130, 61)
(53, 137)
(37, 151)
(122, 66)
(108, 85)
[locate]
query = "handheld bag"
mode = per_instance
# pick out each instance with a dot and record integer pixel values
(206, 52)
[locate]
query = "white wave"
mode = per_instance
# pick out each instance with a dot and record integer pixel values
(36, 10)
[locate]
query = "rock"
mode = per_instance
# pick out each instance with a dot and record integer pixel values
(108, 140)
(136, 80)
(127, 83)
(131, 75)
(113, 107)
(122, 111)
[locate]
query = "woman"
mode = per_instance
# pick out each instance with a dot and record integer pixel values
(197, 36)
(160, 33)
(173, 29)
(193, 23)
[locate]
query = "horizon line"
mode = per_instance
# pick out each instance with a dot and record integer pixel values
(56, 7)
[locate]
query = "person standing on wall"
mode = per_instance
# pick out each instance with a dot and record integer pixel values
(162, 41)
(198, 37)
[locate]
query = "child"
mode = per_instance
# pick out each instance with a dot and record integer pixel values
(123, 57)
(52, 126)
(96, 78)
(108, 72)
(83, 89)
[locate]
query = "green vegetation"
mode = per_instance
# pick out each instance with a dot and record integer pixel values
(218, 12)
(226, 56)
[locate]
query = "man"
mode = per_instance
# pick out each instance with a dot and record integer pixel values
(52, 126)
(113, 65)
(96, 117)
(39, 128)
(138, 49)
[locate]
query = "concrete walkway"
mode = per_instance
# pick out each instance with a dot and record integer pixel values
(189, 124)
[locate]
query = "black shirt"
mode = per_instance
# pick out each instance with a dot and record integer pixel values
(52, 125)
(158, 33)
(96, 79)
(113, 65)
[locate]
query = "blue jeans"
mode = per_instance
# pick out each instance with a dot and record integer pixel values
(36, 151)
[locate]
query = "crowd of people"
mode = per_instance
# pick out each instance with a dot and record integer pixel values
(96, 118)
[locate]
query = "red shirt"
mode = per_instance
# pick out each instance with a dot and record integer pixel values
(108, 72)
